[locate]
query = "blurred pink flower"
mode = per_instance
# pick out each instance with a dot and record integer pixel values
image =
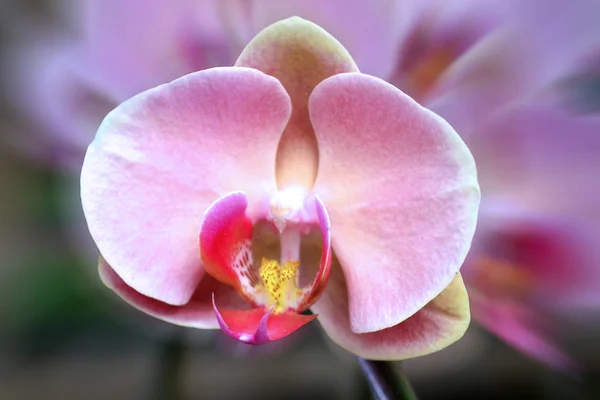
(249, 162)
(534, 258)
(65, 79)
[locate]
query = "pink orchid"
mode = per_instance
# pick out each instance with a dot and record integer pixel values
(476, 63)
(238, 197)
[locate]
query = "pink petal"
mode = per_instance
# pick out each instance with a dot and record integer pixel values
(402, 192)
(56, 99)
(520, 61)
(526, 250)
(529, 255)
(440, 34)
(197, 313)
(135, 45)
(574, 28)
(521, 328)
(495, 72)
(541, 157)
(259, 326)
(160, 159)
(437, 325)
(300, 54)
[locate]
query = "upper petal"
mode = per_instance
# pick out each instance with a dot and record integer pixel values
(161, 158)
(300, 54)
(439, 324)
(402, 193)
(363, 24)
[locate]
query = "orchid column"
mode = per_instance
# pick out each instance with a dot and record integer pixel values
(238, 197)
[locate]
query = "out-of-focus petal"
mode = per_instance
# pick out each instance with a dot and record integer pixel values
(402, 192)
(541, 158)
(259, 326)
(135, 45)
(496, 72)
(528, 255)
(522, 328)
(440, 33)
(300, 54)
(440, 323)
(562, 30)
(51, 92)
(160, 159)
(518, 61)
(368, 29)
(196, 313)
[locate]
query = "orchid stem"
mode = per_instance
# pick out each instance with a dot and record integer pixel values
(165, 384)
(386, 381)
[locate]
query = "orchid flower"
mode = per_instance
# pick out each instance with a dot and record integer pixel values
(239, 197)
(476, 63)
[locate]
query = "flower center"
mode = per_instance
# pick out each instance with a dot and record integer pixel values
(290, 206)
(293, 213)
(280, 282)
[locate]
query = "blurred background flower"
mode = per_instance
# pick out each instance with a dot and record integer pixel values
(518, 80)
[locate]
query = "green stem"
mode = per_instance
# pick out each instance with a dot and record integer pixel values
(386, 381)
(165, 384)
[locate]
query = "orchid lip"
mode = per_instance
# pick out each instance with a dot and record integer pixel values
(260, 335)
(226, 250)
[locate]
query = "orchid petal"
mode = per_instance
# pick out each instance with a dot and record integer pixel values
(160, 159)
(135, 45)
(57, 98)
(520, 61)
(521, 328)
(300, 54)
(364, 23)
(541, 156)
(495, 72)
(523, 253)
(259, 326)
(574, 34)
(402, 193)
(440, 34)
(440, 323)
(197, 313)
